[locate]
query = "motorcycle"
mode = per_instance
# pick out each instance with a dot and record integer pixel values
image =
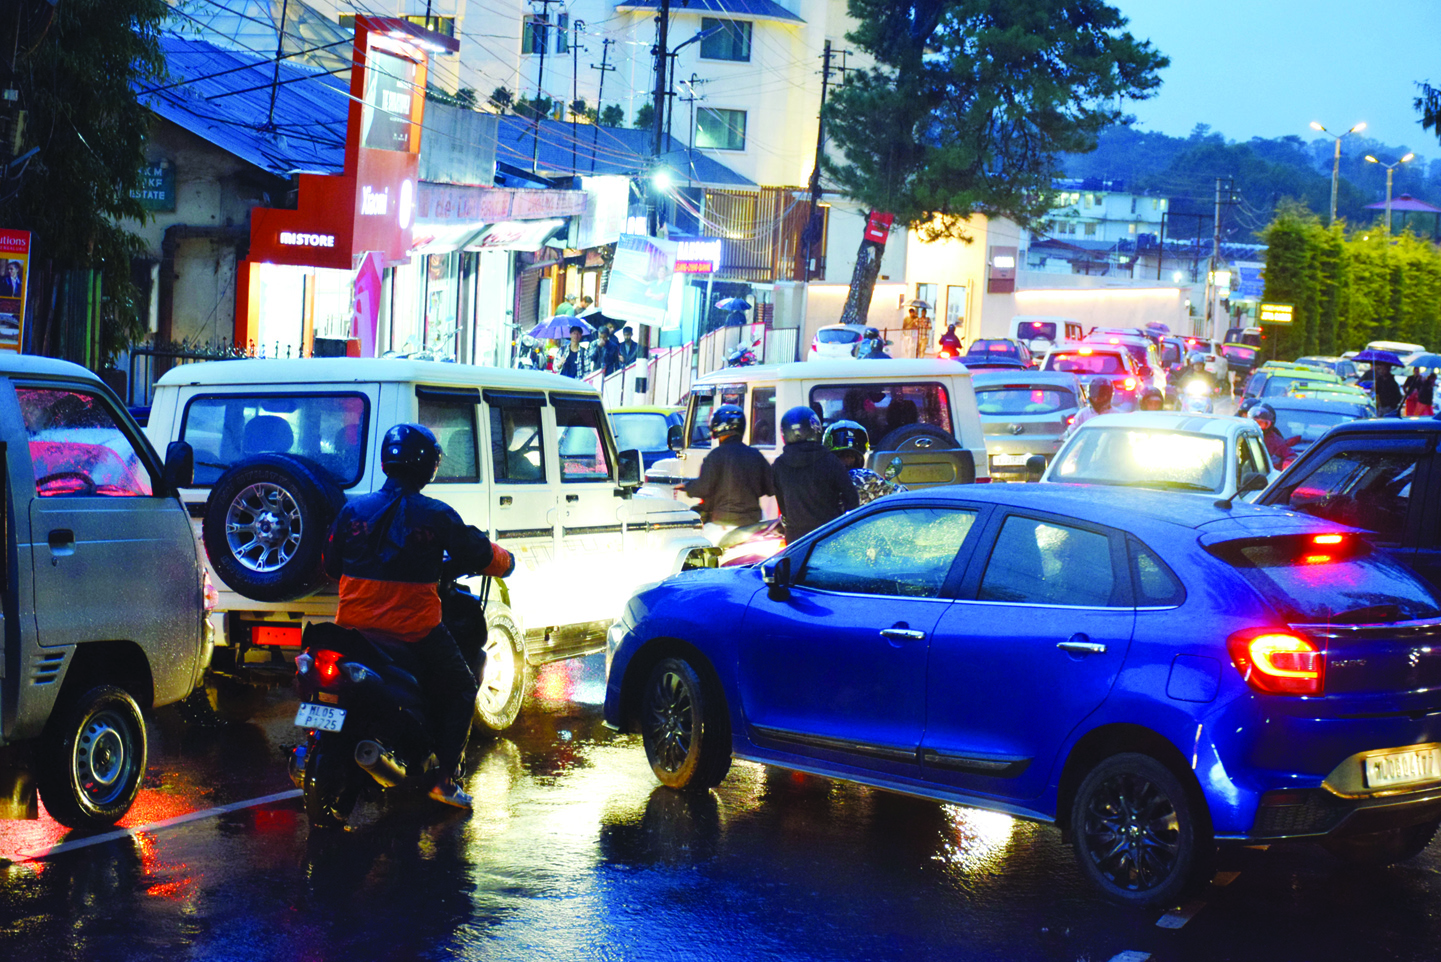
(743, 355)
(751, 544)
(1196, 399)
(368, 728)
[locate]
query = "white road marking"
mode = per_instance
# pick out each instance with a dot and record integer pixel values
(1130, 955)
(1182, 915)
(1224, 879)
(37, 854)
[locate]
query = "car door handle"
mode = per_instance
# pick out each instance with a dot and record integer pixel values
(902, 634)
(1080, 646)
(506, 501)
(572, 498)
(62, 542)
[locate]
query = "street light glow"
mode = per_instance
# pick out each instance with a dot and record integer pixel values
(1316, 126)
(1372, 159)
(1407, 158)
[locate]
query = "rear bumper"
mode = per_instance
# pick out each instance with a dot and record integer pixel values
(1319, 812)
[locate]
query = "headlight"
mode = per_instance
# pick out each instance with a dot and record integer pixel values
(1197, 389)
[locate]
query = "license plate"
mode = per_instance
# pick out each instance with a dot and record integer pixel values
(1010, 460)
(320, 716)
(1403, 768)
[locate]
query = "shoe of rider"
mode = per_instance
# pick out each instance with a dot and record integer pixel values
(386, 550)
(447, 791)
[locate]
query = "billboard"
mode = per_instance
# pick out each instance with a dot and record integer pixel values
(14, 282)
(640, 279)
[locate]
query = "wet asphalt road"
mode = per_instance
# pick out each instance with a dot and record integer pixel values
(574, 853)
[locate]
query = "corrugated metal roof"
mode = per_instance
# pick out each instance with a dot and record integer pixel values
(604, 150)
(224, 96)
(754, 9)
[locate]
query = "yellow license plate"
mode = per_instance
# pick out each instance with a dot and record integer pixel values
(1412, 767)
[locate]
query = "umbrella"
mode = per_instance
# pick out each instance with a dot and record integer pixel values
(558, 328)
(737, 306)
(918, 304)
(1430, 362)
(1379, 357)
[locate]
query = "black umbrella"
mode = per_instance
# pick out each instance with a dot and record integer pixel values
(736, 306)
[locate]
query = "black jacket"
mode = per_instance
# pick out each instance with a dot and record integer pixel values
(1388, 395)
(733, 478)
(812, 487)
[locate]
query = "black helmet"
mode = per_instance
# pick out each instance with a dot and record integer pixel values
(1100, 392)
(800, 423)
(1151, 394)
(727, 419)
(410, 453)
(1262, 412)
(846, 436)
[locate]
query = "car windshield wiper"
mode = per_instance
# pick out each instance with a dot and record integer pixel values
(1179, 486)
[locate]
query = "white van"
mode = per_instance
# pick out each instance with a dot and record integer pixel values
(1399, 348)
(920, 413)
(1042, 333)
(528, 458)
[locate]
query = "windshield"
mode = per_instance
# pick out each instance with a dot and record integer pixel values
(1308, 425)
(1169, 460)
(641, 431)
(1341, 580)
(1030, 330)
(326, 429)
(993, 347)
(1239, 352)
(1020, 399)
(1085, 363)
(837, 336)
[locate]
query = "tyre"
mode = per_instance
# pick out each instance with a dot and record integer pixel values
(918, 437)
(685, 727)
(504, 676)
(1139, 836)
(92, 758)
(1383, 848)
(330, 782)
(265, 525)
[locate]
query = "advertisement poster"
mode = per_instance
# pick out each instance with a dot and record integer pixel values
(640, 279)
(14, 281)
(366, 317)
(385, 119)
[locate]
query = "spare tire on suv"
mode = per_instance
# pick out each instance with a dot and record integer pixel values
(266, 523)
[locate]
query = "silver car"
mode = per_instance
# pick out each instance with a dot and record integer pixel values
(1024, 413)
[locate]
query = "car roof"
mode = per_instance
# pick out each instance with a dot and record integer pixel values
(44, 367)
(843, 327)
(843, 369)
(985, 379)
(326, 371)
(1390, 425)
(645, 409)
(1216, 425)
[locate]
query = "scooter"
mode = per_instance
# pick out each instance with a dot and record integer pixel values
(368, 728)
(1196, 399)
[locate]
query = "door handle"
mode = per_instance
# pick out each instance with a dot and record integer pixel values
(572, 498)
(506, 500)
(902, 634)
(1081, 645)
(62, 542)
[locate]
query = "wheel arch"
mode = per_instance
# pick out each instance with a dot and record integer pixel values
(1114, 739)
(639, 669)
(123, 664)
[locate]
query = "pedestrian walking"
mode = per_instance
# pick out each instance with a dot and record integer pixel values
(568, 360)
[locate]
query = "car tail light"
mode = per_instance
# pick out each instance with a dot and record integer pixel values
(813, 346)
(1278, 662)
(1129, 384)
(1328, 539)
(326, 667)
(1070, 420)
(983, 481)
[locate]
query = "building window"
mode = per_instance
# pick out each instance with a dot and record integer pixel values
(732, 41)
(445, 26)
(720, 129)
(532, 35)
(1155, 203)
(562, 33)
(1133, 205)
(1131, 228)
(1091, 229)
(1090, 200)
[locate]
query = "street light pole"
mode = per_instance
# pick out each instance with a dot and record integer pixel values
(1390, 170)
(1336, 164)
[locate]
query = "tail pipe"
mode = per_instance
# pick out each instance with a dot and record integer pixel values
(380, 762)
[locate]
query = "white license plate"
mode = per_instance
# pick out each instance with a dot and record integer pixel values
(325, 718)
(1010, 460)
(1403, 768)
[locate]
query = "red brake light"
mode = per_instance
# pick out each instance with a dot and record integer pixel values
(325, 665)
(1278, 662)
(1327, 539)
(1129, 384)
(813, 345)
(1071, 420)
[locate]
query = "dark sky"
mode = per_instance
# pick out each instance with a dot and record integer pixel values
(1267, 68)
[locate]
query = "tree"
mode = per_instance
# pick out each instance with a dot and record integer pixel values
(1428, 105)
(502, 100)
(644, 117)
(969, 107)
(612, 116)
(77, 73)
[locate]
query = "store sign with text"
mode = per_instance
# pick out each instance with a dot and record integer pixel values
(14, 284)
(698, 256)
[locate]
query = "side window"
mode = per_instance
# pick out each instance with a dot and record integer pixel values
(1035, 562)
(1364, 489)
(1155, 584)
(453, 422)
(517, 450)
(1246, 462)
(78, 448)
(581, 441)
(1259, 453)
(763, 416)
(904, 552)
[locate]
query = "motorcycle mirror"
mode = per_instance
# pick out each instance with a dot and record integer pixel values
(894, 469)
(1035, 467)
(675, 438)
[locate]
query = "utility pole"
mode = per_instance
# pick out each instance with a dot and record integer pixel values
(690, 86)
(812, 233)
(604, 68)
(576, 29)
(1228, 185)
(542, 24)
(275, 79)
(658, 101)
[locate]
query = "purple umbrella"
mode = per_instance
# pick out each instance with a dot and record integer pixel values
(1378, 357)
(557, 328)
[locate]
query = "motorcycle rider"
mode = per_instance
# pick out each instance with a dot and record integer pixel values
(1265, 417)
(386, 550)
(950, 342)
(1151, 400)
(872, 348)
(1196, 372)
(848, 441)
(812, 486)
(733, 477)
(1099, 391)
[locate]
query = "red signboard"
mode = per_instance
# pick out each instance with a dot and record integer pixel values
(878, 226)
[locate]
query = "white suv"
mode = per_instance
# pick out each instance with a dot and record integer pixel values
(529, 459)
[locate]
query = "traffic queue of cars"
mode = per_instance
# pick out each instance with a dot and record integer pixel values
(1152, 671)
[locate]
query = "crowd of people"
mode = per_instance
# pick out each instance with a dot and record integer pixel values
(590, 348)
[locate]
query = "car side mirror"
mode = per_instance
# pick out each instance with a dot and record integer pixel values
(1145, 370)
(628, 473)
(1035, 467)
(675, 438)
(776, 573)
(179, 466)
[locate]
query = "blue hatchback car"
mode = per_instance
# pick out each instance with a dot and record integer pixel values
(1152, 672)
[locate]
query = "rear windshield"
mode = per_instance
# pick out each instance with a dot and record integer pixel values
(639, 431)
(328, 429)
(1279, 384)
(1085, 363)
(1344, 582)
(1167, 460)
(882, 408)
(838, 336)
(993, 347)
(1028, 330)
(1025, 400)
(1239, 352)
(1308, 425)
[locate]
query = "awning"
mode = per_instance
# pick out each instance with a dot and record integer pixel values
(515, 235)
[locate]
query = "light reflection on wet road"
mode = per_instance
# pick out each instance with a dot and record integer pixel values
(575, 853)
